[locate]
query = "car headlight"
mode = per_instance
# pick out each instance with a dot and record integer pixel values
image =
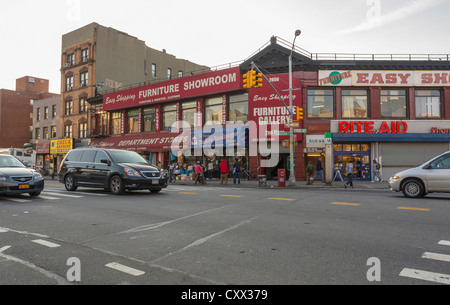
(132, 172)
(395, 177)
(37, 176)
(3, 179)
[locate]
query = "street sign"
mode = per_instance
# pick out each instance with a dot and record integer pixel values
(300, 131)
(293, 125)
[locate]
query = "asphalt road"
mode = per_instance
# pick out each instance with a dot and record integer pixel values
(199, 235)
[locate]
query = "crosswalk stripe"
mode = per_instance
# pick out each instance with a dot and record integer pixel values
(48, 197)
(123, 268)
(63, 195)
(444, 243)
(436, 256)
(426, 276)
(17, 200)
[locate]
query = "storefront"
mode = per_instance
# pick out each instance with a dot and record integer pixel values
(45, 162)
(58, 150)
(396, 145)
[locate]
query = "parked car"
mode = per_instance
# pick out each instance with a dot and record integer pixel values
(111, 169)
(16, 178)
(432, 176)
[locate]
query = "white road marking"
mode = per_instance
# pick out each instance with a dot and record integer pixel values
(17, 200)
(444, 242)
(46, 243)
(3, 230)
(426, 276)
(436, 256)
(4, 248)
(125, 269)
(48, 197)
(63, 195)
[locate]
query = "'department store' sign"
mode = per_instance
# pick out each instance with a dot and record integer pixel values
(384, 78)
(186, 87)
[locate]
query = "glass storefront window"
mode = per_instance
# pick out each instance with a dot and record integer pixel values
(116, 118)
(337, 147)
(346, 147)
(133, 121)
(169, 115)
(320, 104)
(238, 108)
(149, 116)
(393, 103)
(428, 104)
(189, 109)
(354, 104)
(213, 111)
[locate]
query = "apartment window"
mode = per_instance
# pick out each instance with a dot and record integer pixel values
(68, 108)
(37, 134)
(213, 111)
(133, 121)
(428, 104)
(154, 70)
(38, 114)
(83, 105)
(45, 113)
(169, 73)
(149, 119)
(393, 103)
(85, 55)
(68, 131)
(116, 119)
(71, 59)
(84, 79)
(69, 83)
(45, 132)
(320, 104)
(238, 108)
(82, 128)
(53, 132)
(354, 104)
(169, 115)
(189, 109)
(53, 111)
(180, 74)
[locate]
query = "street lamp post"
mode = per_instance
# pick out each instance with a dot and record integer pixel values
(292, 180)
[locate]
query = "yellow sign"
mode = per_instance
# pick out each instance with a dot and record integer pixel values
(62, 146)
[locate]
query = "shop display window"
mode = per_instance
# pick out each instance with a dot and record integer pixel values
(238, 108)
(149, 117)
(213, 111)
(189, 109)
(115, 123)
(169, 116)
(133, 121)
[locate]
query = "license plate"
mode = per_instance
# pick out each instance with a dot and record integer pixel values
(24, 186)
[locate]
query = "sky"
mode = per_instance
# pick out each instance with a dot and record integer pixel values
(214, 33)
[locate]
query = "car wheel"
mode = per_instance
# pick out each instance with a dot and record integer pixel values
(35, 194)
(155, 191)
(413, 188)
(70, 184)
(116, 185)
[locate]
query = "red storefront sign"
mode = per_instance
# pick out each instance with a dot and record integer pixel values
(186, 87)
(368, 127)
(266, 107)
(43, 148)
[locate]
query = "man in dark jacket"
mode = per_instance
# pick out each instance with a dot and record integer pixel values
(237, 171)
(319, 170)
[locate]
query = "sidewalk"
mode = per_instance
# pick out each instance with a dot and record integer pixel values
(273, 184)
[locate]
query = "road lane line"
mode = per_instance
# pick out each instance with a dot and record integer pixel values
(188, 193)
(436, 256)
(234, 196)
(63, 195)
(123, 268)
(346, 203)
(413, 209)
(48, 197)
(4, 248)
(286, 199)
(426, 276)
(46, 243)
(444, 243)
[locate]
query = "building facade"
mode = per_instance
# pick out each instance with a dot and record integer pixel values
(96, 58)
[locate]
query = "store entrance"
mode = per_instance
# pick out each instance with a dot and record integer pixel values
(358, 154)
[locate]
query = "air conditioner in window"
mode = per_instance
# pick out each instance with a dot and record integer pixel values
(66, 65)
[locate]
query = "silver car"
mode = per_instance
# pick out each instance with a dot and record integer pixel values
(430, 177)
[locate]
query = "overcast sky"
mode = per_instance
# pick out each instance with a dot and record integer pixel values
(213, 33)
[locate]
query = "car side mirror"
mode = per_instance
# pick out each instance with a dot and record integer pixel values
(106, 161)
(428, 166)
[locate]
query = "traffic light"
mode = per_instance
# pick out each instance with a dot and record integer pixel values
(258, 81)
(253, 78)
(247, 80)
(286, 143)
(299, 113)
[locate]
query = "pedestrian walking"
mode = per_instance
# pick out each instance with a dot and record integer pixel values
(210, 170)
(309, 172)
(237, 172)
(349, 171)
(376, 170)
(224, 172)
(199, 172)
(319, 170)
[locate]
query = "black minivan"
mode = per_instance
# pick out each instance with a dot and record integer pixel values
(112, 169)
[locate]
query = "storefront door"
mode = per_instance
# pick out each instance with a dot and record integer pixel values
(358, 154)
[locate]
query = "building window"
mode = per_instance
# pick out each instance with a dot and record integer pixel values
(133, 121)
(354, 104)
(82, 128)
(53, 111)
(213, 111)
(85, 55)
(189, 109)
(84, 79)
(238, 108)
(68, 131)
(71, 59)
(116, 119)
(45, 132)
(45, 113)
(393, 103)
(149, 119)
(154, 70)
(320, 104)
(69, 83)
(53, 130)
(83, 105)
(169, 115)
(68, 108)
(37, 134)
(180, 74)
(428, 104)
(169, 73)
(38, 114)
